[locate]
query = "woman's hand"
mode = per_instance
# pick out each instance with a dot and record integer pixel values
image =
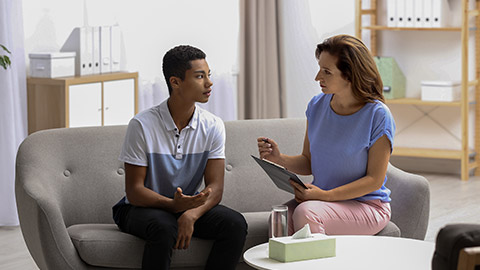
(312, 192)
(268, 149)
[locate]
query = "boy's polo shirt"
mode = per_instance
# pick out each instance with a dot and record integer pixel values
(173, 159)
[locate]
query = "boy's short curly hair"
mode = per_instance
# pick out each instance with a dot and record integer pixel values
(177, 61)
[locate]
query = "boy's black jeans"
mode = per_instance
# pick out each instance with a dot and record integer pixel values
(158, 228)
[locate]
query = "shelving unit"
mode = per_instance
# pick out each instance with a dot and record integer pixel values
(469, 158)
(91, 100)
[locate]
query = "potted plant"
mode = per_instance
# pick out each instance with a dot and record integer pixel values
(4, 59)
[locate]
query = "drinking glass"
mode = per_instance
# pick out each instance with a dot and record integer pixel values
(279, 223)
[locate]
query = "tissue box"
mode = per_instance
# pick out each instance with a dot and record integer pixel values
(441, 90)
(286, 249)
(52, 65)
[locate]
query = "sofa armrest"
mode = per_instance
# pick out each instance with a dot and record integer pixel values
(40, 212)
(410, 202)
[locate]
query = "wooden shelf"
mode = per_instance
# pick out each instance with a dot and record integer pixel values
(381, 27)
(416, 101)
(429, 153)
(468, 159)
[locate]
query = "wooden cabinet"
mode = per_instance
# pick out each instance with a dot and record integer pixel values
(469, 153)
(95, 100)
(118, 106)
(84, 105)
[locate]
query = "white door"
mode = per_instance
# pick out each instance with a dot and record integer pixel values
(119, 102)
(85, 105)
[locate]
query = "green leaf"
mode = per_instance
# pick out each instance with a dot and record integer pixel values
(7, 60)
(5, 49)
(2, 63)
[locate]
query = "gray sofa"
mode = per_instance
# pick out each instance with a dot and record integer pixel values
(67, 180)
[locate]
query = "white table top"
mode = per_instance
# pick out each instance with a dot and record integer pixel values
(356, 252)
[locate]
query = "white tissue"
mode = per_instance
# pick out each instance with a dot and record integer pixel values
(303, 233)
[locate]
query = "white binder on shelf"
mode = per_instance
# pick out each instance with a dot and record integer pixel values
(440, 13)
(409, 13)
(418, 13)
(401, 22)
(115, 54)
(427, 13)
(96, 50)
(105, 50)
(80, 42)
(391, 13)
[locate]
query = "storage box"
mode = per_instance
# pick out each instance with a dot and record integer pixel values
(286, 249)
(52, 65)
(392, 77)
(441, 90)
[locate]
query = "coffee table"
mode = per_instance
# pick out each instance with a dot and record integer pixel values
(356, 252)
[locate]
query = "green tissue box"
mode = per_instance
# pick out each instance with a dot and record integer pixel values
(286, 249)
(392, 77)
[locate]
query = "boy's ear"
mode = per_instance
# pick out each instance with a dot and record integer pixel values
(174, 81)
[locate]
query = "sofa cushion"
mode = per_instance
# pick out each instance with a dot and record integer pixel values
(105, 245)
(257, 229)
(390, 230)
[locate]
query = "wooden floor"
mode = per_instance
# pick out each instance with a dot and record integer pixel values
(13, 251)
(452, 201)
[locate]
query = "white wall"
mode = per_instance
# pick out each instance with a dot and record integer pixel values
(150, 28)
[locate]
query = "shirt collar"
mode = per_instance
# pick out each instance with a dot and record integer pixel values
(168, 120)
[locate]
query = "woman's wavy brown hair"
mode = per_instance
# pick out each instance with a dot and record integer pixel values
(356, 64)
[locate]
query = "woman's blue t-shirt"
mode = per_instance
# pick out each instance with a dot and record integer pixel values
(339, 144)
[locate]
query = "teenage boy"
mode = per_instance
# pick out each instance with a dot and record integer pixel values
(168, 149)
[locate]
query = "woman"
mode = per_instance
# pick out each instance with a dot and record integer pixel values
(347, 146)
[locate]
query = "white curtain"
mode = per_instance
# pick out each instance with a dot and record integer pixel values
(151, 93)
(223, 102)
(13, 108)
(304, 24)
(299, 40)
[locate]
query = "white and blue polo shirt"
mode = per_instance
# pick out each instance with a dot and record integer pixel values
(174, 159)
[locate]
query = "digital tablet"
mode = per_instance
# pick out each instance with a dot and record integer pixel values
(279, 175)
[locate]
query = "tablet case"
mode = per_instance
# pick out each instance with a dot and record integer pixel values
(280, 176)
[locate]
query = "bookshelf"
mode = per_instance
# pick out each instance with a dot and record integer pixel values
(468, 157)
